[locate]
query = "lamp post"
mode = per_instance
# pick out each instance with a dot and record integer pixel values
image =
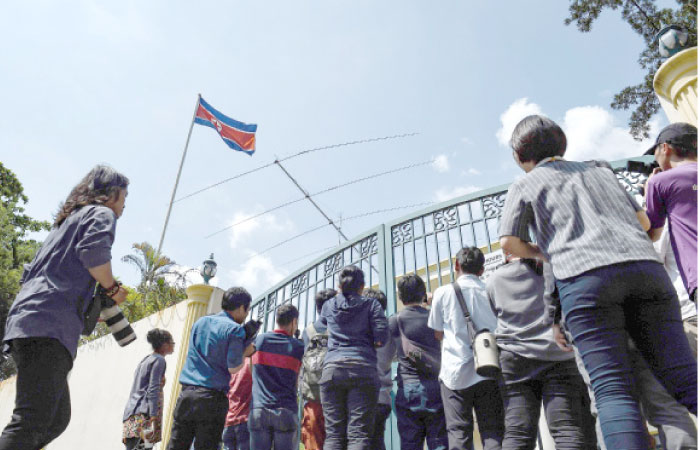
(208, 269)
(672, 39)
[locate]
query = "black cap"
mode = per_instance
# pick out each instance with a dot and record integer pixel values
(677, 133)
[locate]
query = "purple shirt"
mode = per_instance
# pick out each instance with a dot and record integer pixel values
(57, 287)
(673, 194)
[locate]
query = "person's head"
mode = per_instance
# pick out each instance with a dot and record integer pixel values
(411, 289)
(101, 186)
(161, 341)
(536, 138)
(469, 260)
(352, 280)
(287, 318)
(676, 143)
(377, 295)
(323, 296)
(236, 302)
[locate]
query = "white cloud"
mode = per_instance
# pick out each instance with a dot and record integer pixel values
(441, 163)
(592, 132)
(447, 193)
(257, 274)
(516, 112)
(268, 223)
(470, 171)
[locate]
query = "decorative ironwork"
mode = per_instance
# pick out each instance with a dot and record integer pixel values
(332, 264)
(402, 233)
(446, 218)
(300, 283)
(493, 205)
(271, 300)
(631, 181)
(261, 310)
(367, 246)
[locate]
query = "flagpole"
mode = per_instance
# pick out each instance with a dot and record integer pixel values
(177, 179)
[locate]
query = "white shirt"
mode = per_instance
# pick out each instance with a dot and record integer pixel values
(663, 247)
(457, 368)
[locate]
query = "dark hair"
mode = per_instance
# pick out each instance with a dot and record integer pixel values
(157, 337)
(411, 289)
(377, 295)
(235, 297)
(470, 260)
(323, 296)
(685, 150)
(99, 186)
(536, 138)
(352, 279)
(285, 314)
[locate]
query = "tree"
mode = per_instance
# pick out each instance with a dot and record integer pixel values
(646, 20)
(16, 249)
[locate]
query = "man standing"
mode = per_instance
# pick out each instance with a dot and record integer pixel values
(461, 388)
(236, 436)
(273, 421)
(216, 350)
(672, 192)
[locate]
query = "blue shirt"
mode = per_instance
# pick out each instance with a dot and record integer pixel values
(148, 384)
(56, 286)
(276, 367)
(216, 345)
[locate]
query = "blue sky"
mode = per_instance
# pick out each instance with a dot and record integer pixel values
(116, 82)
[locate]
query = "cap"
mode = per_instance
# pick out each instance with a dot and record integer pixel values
(676, 133)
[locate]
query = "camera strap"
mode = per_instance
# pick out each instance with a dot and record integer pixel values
(465, 310)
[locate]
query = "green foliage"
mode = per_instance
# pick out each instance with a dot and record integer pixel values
(16, 249)
(645, 19)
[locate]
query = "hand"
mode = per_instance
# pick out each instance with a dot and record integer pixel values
(560, 339)
(653, 172)
(120, 296)
(249, 350)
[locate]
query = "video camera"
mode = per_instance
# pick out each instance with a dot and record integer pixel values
(642, 167)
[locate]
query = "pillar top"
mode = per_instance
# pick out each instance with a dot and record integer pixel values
(676, 73)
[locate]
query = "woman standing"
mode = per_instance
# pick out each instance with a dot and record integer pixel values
(143, 413)
(46, 318)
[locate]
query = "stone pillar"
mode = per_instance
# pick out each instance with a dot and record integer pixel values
(198, 296)
(676, 85)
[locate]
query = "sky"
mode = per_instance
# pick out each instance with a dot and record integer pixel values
(86, 83)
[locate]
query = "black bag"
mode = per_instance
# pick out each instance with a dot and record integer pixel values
(422, 358)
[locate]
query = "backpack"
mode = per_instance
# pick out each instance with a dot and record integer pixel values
(312, 364)
(423, 359)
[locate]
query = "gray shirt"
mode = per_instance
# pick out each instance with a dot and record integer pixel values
(56, 286)
(145, 391)
(516, 292)
(582, 217)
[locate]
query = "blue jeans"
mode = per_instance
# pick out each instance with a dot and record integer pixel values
(273, 428)
(349, 398)
(601, 307)
(420, 416)
(236, 437)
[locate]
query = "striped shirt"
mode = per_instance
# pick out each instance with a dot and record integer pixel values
(276, 367)
(581, 216)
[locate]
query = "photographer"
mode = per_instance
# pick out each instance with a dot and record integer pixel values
(672, 192)
(46, 318)
(609, 278)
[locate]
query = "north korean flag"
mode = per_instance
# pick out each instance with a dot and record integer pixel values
(237, 135)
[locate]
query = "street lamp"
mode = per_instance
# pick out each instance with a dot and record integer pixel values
(672, 39)
(208, 269)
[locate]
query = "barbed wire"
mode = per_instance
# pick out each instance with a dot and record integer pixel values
(300, 153)
(324, 191)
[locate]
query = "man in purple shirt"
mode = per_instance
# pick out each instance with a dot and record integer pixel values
(672, 193)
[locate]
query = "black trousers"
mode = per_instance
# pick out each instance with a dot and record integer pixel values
(200, 415)
(42, 403)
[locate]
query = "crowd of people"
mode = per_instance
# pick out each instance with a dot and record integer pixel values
(592, 323)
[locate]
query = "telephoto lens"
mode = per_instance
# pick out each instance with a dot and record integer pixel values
(113, 316)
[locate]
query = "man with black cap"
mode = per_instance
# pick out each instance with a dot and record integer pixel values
(672, 194)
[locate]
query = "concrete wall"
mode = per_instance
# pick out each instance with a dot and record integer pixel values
(100, 383)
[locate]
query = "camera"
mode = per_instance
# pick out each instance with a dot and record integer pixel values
(114, 318)
(642, 167)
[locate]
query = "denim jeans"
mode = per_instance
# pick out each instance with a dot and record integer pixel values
(601, 307)
(236, 437)
(558, 386)
(420, 416)
(381, 414)
(42, 402)
(349, 399)
(273, 428)
(485, 398)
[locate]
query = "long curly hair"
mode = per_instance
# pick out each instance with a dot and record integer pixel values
(99, 186)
